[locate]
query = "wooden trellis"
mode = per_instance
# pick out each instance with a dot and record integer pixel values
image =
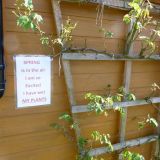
(75, 108)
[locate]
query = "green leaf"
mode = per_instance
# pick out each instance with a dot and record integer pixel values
(139, 25)
(82, 142)
(28, 3)
(37, 17)
(136, 6)
(22, 21)
(120, 109)
(66, 117)
(152, 121)
(127, 155)
(141, 124)
(127, 19)
(44, 40)
(130, 97)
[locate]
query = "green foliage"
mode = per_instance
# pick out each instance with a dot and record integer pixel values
(149, 42)
(151, 121)
(66, 32)
(27, 19)
(97, 103)
(127, 96)
(103, 139)
(106, 33)
(100, 104)
(82, 142)
(127, 155)
(155, 87)
(140, 17)
(66, 117)
(62, 129)
(85, 156)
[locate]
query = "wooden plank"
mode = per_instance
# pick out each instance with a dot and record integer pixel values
(69, 82)
(61, 152)
(118, 4)
(146, 66)
(8, 104)
(24, 43)
(123, 119)
(126, 144)
(57, 15)
(70, 91)
(103, 57)
(89, 11)
(84, 108)
(28, 124)
(66, 64)
(126, 84)
(113, 4)
(31, 141)
(89, 28)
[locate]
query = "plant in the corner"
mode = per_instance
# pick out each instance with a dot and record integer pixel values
(28, 19)
(100, 105)
(139, 18)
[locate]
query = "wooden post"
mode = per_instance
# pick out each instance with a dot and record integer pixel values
(66, 66)
(70, 90)
(126, 84)
(57, 15)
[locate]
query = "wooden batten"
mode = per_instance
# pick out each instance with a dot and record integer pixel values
(126, 84)
(70, 91)
(103, 57)
(118, 4)
(66, 65)
(126, 144)
(84, 108)
(57, 15)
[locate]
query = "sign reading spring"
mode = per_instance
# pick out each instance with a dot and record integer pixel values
(33, 80)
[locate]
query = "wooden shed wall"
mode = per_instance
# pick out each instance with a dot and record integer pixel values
(25, 134)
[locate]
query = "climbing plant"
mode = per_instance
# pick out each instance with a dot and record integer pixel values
(100, 105)
(28, 19)
(139, 17)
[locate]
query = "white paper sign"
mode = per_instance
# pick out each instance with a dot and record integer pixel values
(33, 80)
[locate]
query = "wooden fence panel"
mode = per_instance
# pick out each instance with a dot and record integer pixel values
(26, 133)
